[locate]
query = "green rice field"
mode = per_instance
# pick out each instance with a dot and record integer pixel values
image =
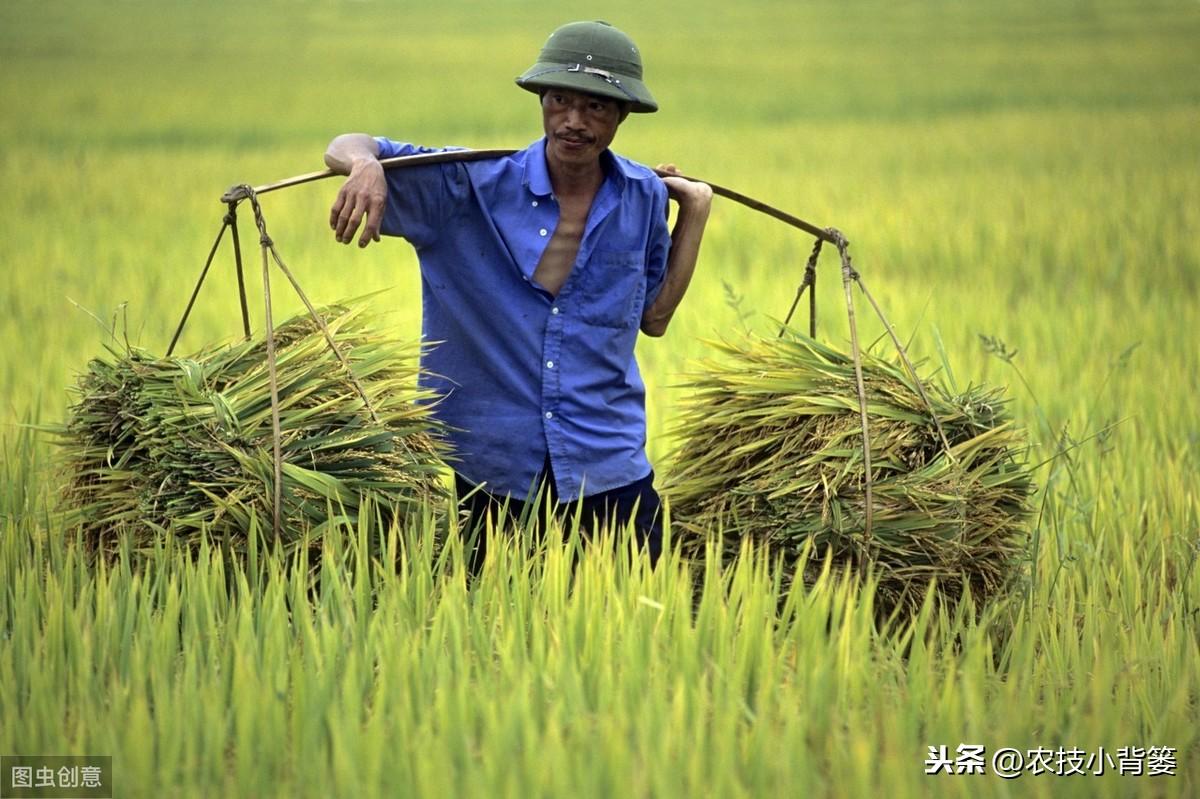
(1014, 177)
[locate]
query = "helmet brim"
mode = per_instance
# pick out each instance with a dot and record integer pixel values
(545, 75)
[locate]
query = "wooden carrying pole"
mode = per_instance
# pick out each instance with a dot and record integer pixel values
(448, 156)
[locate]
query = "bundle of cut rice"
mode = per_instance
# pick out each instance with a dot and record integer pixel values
(185, 444)
(771, 449)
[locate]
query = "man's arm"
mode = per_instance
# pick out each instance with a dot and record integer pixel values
(364, 193)
(695, 201)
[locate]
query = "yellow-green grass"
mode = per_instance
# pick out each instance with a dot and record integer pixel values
(1022, 170)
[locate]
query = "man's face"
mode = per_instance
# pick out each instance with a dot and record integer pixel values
(578, 126)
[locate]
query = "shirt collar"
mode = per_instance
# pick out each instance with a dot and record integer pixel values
(537, 176)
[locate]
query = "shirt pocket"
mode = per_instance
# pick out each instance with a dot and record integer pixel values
(614, 289)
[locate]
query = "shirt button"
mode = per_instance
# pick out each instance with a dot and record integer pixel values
(535, 203)
(542, 232)
(554, 310)
(549, 364)
(549, 415)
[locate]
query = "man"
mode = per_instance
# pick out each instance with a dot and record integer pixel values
(538, 270)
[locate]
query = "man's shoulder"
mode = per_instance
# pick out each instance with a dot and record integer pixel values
(632, 170)
(392, 148)
(640, 181)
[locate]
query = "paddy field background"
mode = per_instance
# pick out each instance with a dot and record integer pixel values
(1026, 171)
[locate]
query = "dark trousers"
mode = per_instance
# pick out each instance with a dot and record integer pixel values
(637, 501)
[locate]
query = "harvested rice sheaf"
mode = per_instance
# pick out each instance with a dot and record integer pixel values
(771, 450)
(185, 444)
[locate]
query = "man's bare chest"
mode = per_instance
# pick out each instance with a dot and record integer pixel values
(558, 258)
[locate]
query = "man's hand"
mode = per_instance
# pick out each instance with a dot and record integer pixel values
(363, 194)
(689, 194)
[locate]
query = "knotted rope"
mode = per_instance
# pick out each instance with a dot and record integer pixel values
(850, 274)
(233, 197)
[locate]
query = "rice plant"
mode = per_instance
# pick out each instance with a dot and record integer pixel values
(772, 450)
(184, 445)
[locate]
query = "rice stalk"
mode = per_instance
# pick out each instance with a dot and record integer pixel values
(771, 450)
(183, 445)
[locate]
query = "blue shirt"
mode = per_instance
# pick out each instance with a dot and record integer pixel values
(521, 372)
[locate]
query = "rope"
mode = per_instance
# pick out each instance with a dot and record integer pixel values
(269, 246)
(229, 221)
(233, 197)
(812, 298)
(241, 279)
(908, 365)
(272, 371)
(809, 281)
(196, 291)
(848, 275)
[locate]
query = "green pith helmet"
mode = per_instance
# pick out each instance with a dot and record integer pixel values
(591, 57)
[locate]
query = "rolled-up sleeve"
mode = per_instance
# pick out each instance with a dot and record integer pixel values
(417, 204)
(658, 245)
